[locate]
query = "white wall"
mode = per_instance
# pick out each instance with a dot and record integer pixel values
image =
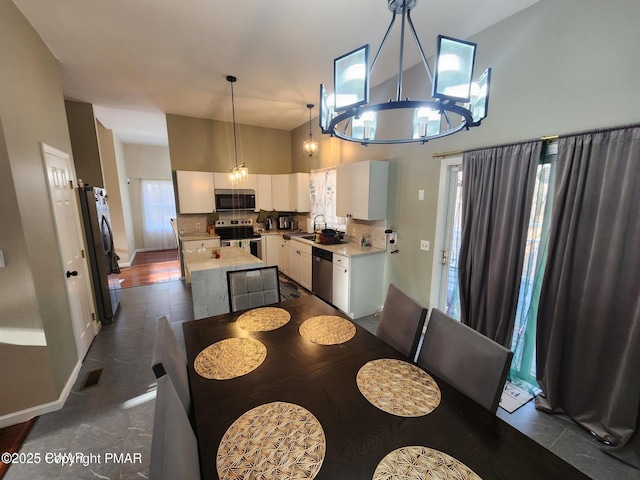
(143, 162)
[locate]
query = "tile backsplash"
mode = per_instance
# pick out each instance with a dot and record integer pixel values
(188, 223)
(356, 229)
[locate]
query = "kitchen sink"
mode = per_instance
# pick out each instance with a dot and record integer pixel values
(313, 239)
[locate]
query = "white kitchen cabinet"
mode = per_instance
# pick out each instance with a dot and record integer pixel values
(221, 182)
(358, 284)
(195, 192)
(300, 192)
(341, 284)
(300, 262)
(264, 197)
(290, 192)
(284, 258)
(192, 244)
(361, 190)
(294, 261)
(271, 249)
(306, 265)
(280, 192)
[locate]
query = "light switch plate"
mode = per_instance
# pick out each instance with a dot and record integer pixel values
(1, 258)
(420, 194)
(424, 245)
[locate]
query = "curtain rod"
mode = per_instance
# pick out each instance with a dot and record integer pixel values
(460, 152)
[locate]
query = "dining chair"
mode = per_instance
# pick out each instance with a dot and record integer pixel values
(253, 287)
(174, 448)
(168, 359)
(464, 358)
(401, 321)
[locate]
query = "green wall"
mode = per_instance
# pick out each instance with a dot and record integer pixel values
(35, 321)
(207, 145)
(559, 66)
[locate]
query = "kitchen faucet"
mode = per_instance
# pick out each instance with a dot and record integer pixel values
(314, 221)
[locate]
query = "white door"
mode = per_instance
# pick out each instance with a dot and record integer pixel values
(69, 233)
(445, 288)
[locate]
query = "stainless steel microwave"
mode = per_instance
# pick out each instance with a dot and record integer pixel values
(227, 200)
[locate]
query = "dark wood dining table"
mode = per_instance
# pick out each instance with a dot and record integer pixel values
(322, 379)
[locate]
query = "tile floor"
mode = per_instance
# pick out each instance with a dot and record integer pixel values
(116, 416)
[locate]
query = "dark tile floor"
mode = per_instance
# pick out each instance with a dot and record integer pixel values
(116, 416)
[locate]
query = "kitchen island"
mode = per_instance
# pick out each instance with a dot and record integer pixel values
(209, 276)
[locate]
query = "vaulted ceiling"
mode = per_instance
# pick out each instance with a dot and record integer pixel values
(137, 60)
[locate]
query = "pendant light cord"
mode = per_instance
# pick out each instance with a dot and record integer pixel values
(232, 79)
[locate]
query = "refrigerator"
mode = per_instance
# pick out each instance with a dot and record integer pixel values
(103, 260)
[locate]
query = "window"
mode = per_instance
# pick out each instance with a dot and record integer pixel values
(158, 208)
(323, 197)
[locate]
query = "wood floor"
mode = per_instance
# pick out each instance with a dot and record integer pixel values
(151, 267)
(11, 439)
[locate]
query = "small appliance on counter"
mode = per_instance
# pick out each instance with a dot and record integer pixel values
(284, 222)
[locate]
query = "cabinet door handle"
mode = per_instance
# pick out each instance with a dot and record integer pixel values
(72, 274)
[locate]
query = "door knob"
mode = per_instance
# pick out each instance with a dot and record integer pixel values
(72, 274)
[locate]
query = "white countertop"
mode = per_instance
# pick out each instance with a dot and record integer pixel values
(230, 257)
(346, 249)
(185, 237)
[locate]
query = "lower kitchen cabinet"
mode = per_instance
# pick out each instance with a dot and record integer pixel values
(358, 284)
(191, 244)
(299, 263)
(283, 260)
(271, 249)
(340, 288)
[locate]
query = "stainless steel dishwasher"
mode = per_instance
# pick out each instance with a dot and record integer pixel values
(322, 273)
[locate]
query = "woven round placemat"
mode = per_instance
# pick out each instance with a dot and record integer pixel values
(277, 440)
(263, 319)
(398, 387)
(230, 358)
(420, 463)
(327, 330)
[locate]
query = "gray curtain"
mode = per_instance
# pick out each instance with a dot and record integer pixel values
(588, 341)
(497, 192)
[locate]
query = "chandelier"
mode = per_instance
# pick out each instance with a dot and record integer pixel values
(457, 103)
(239, 173)
(310, 145)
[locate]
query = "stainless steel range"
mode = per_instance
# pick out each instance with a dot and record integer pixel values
(239, 233)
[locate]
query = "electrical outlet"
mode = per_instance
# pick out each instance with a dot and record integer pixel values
(424, 245)
(197, 225)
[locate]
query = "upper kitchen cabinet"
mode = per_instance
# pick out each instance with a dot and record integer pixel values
(195, 192)
(361, 190)
(290, 192)
(221, 182)
(264, 197)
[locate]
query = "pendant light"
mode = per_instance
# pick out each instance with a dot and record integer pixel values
(310, 145)
(239, 173)
(456, 103)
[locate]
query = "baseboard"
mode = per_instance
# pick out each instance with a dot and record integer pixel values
(29, 413)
